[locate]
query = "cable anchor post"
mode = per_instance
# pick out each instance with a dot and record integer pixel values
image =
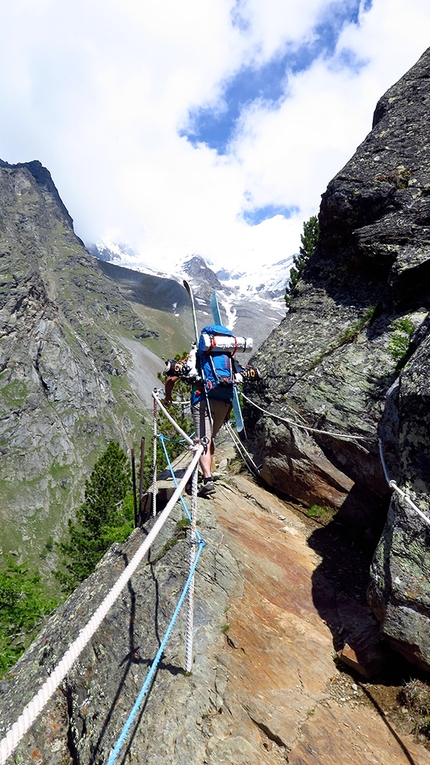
(192, 555)
(154, 455)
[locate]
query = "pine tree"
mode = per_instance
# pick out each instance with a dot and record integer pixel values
(309, 241)
(105, 516)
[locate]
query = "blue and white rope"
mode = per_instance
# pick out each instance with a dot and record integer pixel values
(143, 691)
(175, 480)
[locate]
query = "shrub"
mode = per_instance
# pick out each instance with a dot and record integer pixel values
(23, 606)
(416, 697)
(320, 512)
(400, 340)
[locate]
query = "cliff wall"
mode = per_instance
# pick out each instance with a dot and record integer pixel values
(352, 357)
(64, 386)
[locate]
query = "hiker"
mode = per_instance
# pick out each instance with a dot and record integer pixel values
(211, 369)
(213, 372)
(206, 424)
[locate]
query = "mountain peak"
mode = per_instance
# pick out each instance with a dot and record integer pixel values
(204, 279)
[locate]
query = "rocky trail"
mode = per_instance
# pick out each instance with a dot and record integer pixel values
(276, 595)
(286, 698)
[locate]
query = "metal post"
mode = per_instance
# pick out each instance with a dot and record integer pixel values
(133, 474)
(193, 542)
(154, 459)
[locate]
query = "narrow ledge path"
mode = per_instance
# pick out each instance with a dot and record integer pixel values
(278, 702)
(264, 688)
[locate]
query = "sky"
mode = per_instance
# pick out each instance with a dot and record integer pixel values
(207, 127)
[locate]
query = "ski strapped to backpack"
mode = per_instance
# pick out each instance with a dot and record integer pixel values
(237, 409)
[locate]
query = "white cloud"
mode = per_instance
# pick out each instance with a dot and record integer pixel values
(273, 23)
(98, 91)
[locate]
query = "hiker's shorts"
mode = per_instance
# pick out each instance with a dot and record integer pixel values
(202, 424)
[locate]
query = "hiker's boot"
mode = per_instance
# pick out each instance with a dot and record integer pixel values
(206, 488)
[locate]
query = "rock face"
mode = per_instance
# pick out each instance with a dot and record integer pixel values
(352, 357)
(64, 390)
(154, 291)
(264, 689)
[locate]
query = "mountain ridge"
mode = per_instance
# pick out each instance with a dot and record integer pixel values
(270, 278)
(64, 387)
(253, 312)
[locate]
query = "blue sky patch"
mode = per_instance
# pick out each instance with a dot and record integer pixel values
(215, 125)
(238, 19)
(258, 214)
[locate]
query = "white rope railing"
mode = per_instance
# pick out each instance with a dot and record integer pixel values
(390, 482)
(399, 491)
(243, 452)
(184, 435)
(192, 555)
(344, 436)
(29, 714)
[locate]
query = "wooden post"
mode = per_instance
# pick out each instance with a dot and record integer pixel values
(142, 459)
(133, 474)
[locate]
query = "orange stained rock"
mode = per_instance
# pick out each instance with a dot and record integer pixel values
(278, 655)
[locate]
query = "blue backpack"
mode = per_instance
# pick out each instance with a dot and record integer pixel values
(216, 347)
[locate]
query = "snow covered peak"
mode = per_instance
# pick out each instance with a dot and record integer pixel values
(252, 303)
(266, 281)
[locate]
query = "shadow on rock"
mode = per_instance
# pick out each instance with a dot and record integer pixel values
(339, 586)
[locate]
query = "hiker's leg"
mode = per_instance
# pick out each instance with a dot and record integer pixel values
(220, 410)
(202, 426)
(206, 463)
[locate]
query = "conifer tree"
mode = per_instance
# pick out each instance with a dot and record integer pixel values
(105, 516)
(309, 241)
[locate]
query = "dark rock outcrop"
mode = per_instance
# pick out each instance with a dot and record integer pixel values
(153, 291)
(352, 357)
(204, 279)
